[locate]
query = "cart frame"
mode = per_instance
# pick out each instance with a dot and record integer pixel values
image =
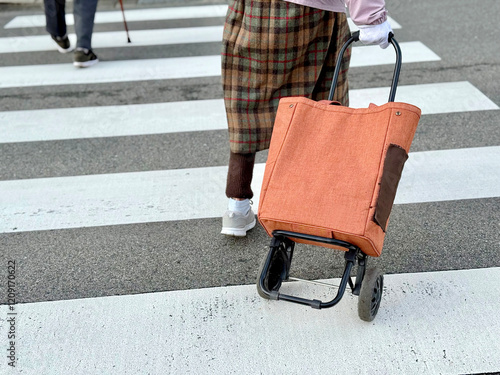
(276, 266)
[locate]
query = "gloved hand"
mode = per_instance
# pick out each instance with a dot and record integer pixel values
(375, 34)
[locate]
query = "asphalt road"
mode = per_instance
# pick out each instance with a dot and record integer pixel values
(150, 257)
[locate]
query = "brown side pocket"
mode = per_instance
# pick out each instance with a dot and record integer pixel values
(393, 167)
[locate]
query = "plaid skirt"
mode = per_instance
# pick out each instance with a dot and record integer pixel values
(274, 49)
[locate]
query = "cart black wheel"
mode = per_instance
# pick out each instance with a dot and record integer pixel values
(370, 294)
(278, 271)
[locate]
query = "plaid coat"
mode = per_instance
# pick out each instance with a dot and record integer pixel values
(274, 49)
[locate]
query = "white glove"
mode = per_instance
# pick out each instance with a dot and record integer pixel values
(375, 34)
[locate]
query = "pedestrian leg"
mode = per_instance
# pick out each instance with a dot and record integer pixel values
(55, 17)
(84, 12)
(239, 217)
(240, 175)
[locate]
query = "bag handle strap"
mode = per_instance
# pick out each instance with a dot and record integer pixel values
(397, 68)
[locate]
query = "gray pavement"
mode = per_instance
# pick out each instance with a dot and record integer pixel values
(133, 259)
(140, 258)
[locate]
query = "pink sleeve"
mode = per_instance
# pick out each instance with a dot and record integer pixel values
(367, 12)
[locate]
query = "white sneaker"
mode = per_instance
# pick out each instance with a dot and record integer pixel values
(235, 223)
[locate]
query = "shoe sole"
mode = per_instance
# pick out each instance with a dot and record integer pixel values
(85, 64)
(64, 51)
(238, 232)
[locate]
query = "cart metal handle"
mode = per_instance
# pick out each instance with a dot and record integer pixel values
(397, 68)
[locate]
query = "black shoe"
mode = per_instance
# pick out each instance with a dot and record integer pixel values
(83, 58)
(63, 44)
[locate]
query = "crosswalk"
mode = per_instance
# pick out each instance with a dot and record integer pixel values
(173, 68)
(156, 14)
(83, 317)
(138, 197)
(203, 115)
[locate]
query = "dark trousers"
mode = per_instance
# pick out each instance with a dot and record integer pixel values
(83, 12)
(239, 176)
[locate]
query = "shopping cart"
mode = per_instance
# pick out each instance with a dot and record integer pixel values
(330, 180)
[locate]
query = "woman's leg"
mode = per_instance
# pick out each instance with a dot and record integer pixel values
(255, 75)
(239, 176)
(239, 217)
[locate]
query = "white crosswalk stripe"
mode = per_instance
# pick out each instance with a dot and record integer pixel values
(174, 68)
(113, 71)
(113, 39)
(427, 319)
(136, 15)
(203, 115)
(183, 194)
(230, 330)
(157, 14)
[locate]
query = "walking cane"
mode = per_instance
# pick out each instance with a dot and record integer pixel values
(125, 22)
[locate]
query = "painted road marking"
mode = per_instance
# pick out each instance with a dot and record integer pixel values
(203, 115)
(144, 15)
(428, 323)
(432, 98)
(112, 121)
(116, 39)
(135, 15)
(197, 193)
(174, 68)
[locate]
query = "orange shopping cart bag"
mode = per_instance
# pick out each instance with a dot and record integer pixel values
(332, 171)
